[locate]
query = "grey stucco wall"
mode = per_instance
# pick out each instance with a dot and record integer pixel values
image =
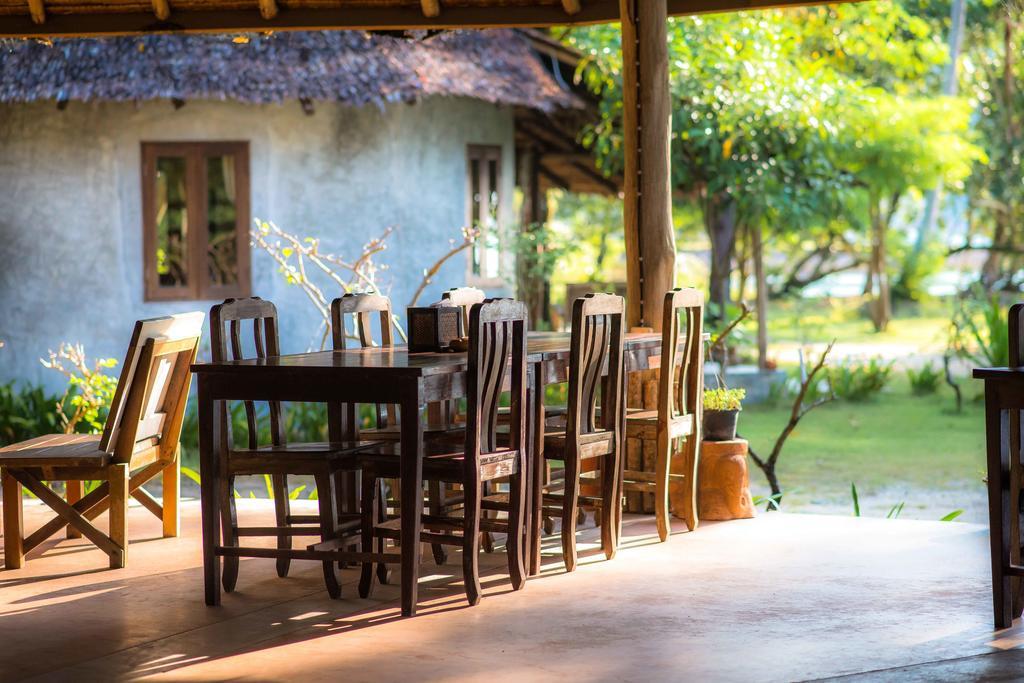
(70, 206)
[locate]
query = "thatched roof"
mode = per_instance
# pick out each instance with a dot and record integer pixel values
(352, 67)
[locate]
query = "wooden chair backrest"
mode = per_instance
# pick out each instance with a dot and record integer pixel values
(497, 343)
(1016, 331)
(464, 298)
(679, 390)
(149, 402)
(597, 339)
(361, 307)
(226, 321)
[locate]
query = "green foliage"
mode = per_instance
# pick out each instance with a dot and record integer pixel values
(86, 401)
(724, 399)
(926, 380)
(539, 250)
(856, 499)
(951, 516)
(860, 380)
(978, 330)
(892, 144)
(293, 494)
(26, 412)
(771, 502)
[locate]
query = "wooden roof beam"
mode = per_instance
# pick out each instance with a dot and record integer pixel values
(268, 8)
(37, 11)
(571, 6)
(431, 8)
(162, 9)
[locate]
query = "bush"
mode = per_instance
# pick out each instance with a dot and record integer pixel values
(26, 412)
(925, 381)
(860, 380)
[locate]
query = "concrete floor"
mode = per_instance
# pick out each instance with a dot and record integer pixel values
(778, 598)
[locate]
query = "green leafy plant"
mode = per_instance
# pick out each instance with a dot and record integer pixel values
(86, 400)
(724, 399)
(860, 380)
(26, 412)
(978, 330)
(925, 381)
(771, 502)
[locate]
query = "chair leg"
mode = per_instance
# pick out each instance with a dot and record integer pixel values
(369, 508)
(383, 573)
(73, 492)
(570, 507)
(690, 466)
(14, 528)
(515, 547)
(118, 477)
(281, 508)
(229, 524)
(486, 538)
(171, 477)
(609, 488)
(661, 467)
(435, 497)
(471, 541)
(327, 498)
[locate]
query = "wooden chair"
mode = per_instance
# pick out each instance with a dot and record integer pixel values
(322, 461)
(465, 298)
(497, 344)
(678, 416)
(592, 439)
(360, 309)
(139, 441)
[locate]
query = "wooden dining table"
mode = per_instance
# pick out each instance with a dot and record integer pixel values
(389, 375)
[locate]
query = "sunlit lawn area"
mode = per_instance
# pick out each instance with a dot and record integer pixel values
(895, 448)
(820, 320)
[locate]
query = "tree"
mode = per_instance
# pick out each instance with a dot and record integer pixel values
(757, 105)
(749, 119)
(891, 145)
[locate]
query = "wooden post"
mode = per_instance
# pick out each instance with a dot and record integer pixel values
(534, 213)
(647, 128)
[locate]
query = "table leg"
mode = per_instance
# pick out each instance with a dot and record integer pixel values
(998, 502)
(535, 517)
(209, 442)
(411, 498)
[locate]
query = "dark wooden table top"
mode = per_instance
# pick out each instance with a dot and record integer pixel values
(397, 361)
(999, 373)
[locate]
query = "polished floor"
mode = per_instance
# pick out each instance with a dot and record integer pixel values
(777, 598)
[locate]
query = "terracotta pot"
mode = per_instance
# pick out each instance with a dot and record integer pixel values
(720, 425)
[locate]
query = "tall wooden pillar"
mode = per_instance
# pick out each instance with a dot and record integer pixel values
(647, 128)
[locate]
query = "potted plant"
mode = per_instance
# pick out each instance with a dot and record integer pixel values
(721, 411)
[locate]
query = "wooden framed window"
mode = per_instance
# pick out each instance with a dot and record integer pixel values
(195, 218)
(483, 181)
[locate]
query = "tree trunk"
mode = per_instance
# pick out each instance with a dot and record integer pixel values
(757, 249)
(720, 223)
(881, 308)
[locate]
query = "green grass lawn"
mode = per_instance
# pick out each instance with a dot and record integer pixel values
(897, 447)
(822, 320)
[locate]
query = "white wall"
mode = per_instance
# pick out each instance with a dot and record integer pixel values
(70, 206)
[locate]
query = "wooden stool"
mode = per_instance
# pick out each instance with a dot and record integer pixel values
(724, 482)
